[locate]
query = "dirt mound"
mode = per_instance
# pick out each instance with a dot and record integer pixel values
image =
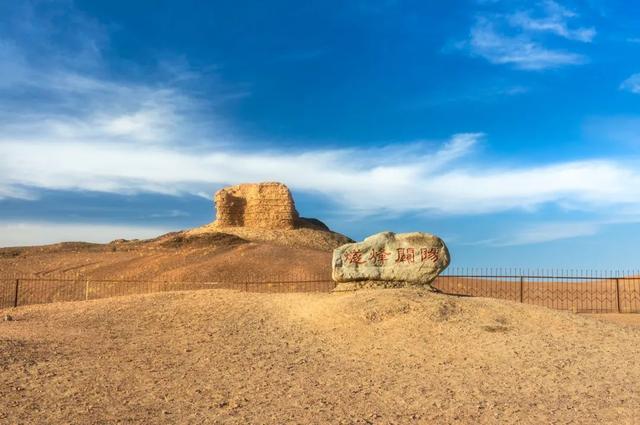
(309, 237)
(266, 212)
(206, 240)
(175, 257)
(258, 235)
(390, 356)
(62, 247)
(196, 255)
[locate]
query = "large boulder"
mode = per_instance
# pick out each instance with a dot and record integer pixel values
(390, 260)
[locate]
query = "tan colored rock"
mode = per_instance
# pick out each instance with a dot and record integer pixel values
(390, 260)
(260, 206)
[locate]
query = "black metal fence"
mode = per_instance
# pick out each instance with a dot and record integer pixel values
(573, 290)
(585, 291)
(20, 290)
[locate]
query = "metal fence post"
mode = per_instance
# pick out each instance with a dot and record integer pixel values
(15, 299)
(520, 288)
(618, 294)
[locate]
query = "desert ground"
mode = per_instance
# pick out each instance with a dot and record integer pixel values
(301, 257)
(179, 256)
(385, 356)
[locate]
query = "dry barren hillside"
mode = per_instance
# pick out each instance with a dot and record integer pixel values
(258, 234)
(198, 254)
(387, 356)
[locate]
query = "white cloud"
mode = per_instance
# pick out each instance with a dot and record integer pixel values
(39, 233)
(459, 146)
(546, 232)
(360, 181)
(518, 50)
(80, 106)
(170, 214)
(631, 84)
(554, 21)
(121, 137)
(513, 38)
(55, 83)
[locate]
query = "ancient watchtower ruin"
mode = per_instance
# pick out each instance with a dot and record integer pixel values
(260, 205)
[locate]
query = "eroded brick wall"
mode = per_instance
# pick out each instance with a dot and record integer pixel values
(261, 205)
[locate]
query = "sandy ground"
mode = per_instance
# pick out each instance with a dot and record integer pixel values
(620, 319)
(386, 356)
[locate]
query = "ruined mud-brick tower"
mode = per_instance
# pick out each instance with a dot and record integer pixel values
(256, 205)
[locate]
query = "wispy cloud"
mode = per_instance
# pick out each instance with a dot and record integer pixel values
(512, 38)
(360, 181)
(519, 51)
(91, 133)
(631, 84)
(549, 231)
(554, 20)
(15, 233)
(170, 214)
(63, 88)
(545, 232)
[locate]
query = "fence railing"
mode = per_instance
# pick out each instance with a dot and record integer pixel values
(573, 290)
(584, 291)
(20, 290)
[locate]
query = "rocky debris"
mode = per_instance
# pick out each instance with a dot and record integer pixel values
(390, 260)
(312, 223)
(304, 237)
(378, 284)
(183, 240)
(8, 318)
(260, 205)
(10, 252)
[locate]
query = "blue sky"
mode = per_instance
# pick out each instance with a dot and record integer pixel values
(509, 128)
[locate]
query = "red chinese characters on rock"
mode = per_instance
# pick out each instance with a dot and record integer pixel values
(406, 255)
(378, 257)
(354, 257)
(431, 254)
